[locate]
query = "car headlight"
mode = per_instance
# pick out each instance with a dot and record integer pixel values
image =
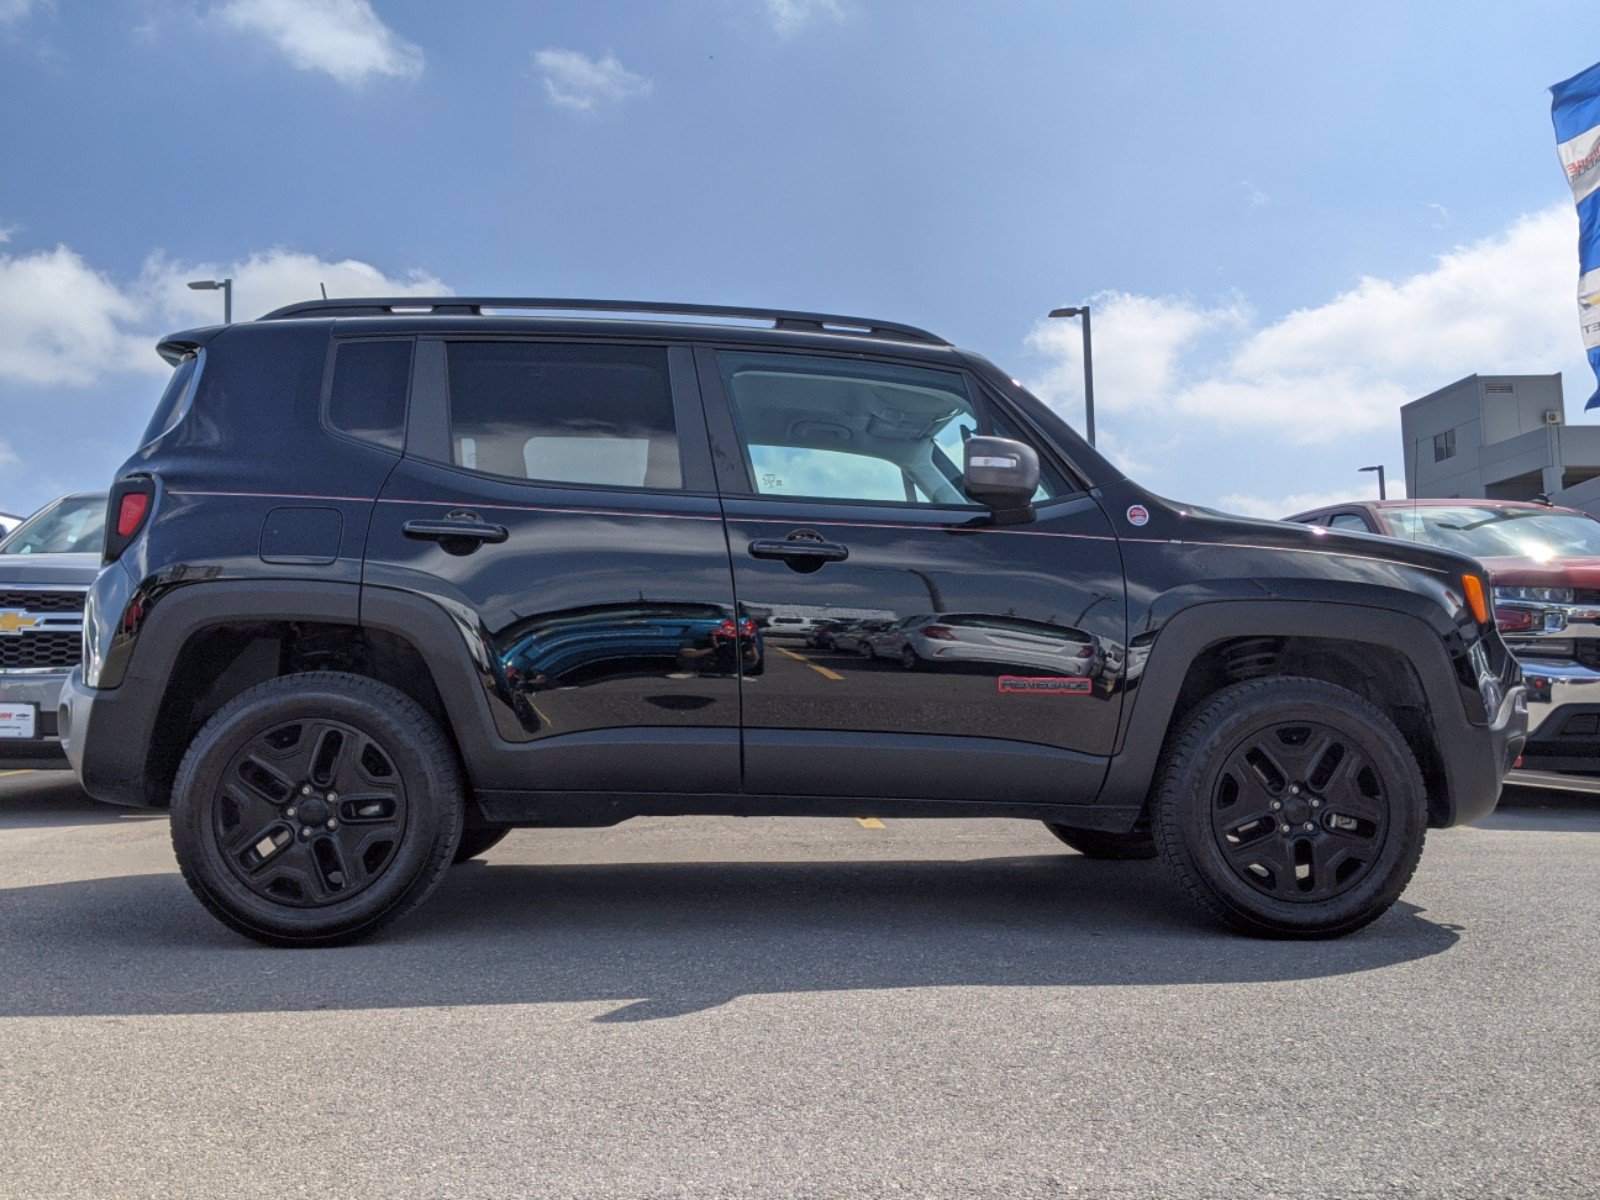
(1538, 595)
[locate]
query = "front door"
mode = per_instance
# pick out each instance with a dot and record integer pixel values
(912, 647)
(555, 497)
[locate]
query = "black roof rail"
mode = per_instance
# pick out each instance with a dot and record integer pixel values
(474, 306)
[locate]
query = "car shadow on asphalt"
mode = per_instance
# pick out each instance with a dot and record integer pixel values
(53, 798)
(655, 940)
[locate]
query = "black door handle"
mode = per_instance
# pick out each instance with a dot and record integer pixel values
(803, 553)
(456, 537)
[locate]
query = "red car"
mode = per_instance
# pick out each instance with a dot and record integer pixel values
(1544, 564)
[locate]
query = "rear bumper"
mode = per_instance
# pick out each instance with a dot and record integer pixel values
(37, 753)
(104, 719)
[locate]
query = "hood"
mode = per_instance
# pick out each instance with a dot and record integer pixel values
(1562, 572)
(67, 569)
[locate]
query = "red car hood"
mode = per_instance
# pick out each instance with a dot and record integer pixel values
(1561, 572)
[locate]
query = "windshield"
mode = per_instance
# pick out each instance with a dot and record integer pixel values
(1499, 532)
(75, 525)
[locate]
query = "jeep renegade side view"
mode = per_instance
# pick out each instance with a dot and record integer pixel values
(387, 578)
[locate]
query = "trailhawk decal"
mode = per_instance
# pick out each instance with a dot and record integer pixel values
(1045, 685)
(1138, 514)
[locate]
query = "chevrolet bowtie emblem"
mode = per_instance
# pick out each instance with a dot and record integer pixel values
(14, 622)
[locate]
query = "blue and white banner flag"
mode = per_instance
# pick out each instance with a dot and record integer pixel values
(1575, 109)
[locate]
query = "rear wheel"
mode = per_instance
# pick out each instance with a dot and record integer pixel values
(908, 659)
(1290, 807)
(315, 808)
(478, 839)
(1096, 843)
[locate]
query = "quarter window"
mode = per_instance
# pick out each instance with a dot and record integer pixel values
(573, 414)
(1348, 521)
(370, 384)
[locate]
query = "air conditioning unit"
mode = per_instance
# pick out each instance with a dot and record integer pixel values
(1554, 417)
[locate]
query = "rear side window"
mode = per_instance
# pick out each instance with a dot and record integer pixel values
(554, 413)
(170, 408)
(370, 384)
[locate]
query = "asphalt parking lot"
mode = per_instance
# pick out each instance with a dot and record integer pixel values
(716, 1007)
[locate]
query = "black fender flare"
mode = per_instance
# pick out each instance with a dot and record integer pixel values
(1465, 750)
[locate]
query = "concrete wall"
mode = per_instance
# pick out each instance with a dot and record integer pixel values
(1500, 438)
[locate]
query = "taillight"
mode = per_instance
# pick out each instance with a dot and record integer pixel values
(939, 633)
(1515, 620)
(130, 515)
(126, 513)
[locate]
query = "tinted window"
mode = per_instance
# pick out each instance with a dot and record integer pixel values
(76, 525)
(1348, 521)
(841, 430)
(564, 413)
(370, 383)
(171, 405)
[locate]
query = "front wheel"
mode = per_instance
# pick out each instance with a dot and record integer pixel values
(1290, 807)
(315, 808)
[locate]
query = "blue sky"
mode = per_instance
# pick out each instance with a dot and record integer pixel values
(1291, 217)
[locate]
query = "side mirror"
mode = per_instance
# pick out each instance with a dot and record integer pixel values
(1003, 475)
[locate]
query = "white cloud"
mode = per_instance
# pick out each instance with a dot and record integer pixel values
(574, 80)
(64, 323)
(791, 16)
(345, 38)
(1255, 195)
(13, 11)
(7, 232)
(1504, 304)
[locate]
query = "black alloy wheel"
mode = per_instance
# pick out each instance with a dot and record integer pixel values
(310, 812)
(313, 809)
(1300, 812)
(1290, 807)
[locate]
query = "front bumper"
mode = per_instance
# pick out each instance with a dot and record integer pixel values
(1563, 715)
(43, 689)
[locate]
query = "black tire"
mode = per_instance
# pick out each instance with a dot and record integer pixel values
(368, 841)
(909, 660)
(478, 839)
(1096, 843)
(1290, 807)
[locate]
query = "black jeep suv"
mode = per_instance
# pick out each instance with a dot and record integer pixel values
(389, 577)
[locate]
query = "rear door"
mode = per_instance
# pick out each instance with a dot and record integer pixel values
(555, 498)
(967, 660)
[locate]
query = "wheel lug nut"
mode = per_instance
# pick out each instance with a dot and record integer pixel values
(1309, 826)
(1284, 828)
(305, 789)
(1316, 804)
(333, 797)
(332, 824)
(305, 833)
(288, 812)
(1294, 789)
(1276, 805)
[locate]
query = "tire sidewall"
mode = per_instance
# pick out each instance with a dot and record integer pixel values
(433, 820)
(1187, 799)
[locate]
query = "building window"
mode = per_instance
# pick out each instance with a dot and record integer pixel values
(1444, 445)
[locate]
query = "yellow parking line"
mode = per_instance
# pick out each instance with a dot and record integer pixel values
(823, 671)
(870, 823)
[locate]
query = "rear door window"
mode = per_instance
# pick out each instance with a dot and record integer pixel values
(564, 413)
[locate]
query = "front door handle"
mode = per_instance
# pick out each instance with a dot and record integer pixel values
(804, 554)
(456, 537)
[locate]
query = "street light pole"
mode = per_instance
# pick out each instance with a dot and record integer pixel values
(1383, 493)
(1088, 367)
(225, 286)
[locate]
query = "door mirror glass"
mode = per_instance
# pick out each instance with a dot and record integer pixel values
(1002, 474)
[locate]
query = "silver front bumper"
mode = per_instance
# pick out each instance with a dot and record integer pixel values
(1553, 682)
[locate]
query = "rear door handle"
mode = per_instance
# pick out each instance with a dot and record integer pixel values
(457, 537)
(800, 552)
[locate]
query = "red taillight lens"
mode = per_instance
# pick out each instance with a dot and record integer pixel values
(130, 513)
(939, 633)
(749, 628)
(1514, 620)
